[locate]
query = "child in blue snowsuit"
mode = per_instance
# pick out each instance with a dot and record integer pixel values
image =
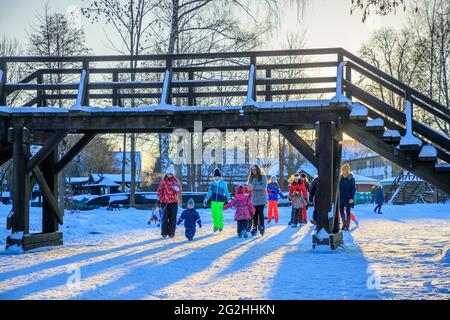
(190, 217)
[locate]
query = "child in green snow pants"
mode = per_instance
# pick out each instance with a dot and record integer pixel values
(217, 193)
(216, 211)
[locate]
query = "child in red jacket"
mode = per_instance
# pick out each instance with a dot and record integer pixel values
(298, 196)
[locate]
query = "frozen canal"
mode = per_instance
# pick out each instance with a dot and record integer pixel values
(404, 253)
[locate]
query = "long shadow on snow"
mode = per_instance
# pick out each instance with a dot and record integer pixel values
(71, 259)
(89, 270)
(266, 246)
(144, 280)
(320, 273)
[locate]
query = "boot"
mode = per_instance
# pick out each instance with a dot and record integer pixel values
(349, 220)
(254, 232)
(261, 230)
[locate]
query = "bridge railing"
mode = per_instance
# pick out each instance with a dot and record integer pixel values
(190, 76)
(412, 103)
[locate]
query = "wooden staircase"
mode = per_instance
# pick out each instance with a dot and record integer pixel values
(424, 159)
(409, 189)
(398, 136)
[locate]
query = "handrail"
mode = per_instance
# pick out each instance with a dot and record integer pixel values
(183, 56)
(397, 82)
(444, 116)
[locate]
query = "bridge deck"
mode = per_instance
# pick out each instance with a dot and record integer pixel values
(298, 114)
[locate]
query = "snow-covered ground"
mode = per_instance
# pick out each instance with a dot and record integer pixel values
(404, 253)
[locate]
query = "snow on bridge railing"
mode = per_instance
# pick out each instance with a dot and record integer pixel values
(46, 91)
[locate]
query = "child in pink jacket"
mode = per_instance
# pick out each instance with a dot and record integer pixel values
(244, 209)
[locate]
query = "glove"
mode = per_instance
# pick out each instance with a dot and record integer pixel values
(350, 201)
(179, 222)
(199, 224)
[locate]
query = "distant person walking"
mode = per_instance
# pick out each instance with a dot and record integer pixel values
(257, 185)
(217, 192)
(167, 193)
(347, 191)
(378, 199)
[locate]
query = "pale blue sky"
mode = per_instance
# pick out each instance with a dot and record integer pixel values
(327, 23)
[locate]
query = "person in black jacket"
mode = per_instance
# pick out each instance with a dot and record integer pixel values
(347, 191)
(313, 197)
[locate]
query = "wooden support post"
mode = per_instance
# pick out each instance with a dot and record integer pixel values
(337, 156)
(41, 101)
(300, 145)
(166, 97)
(253, 63)
(348, 77)
(191, 92)
(21, 189)
(49, 220)
(85, 101)
(250, 102)
(3, 76)
(115, 92)
(49, 146)
(48, 194)
(325, 172)
(268, 86)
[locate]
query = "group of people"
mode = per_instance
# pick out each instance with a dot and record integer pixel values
(249, 201)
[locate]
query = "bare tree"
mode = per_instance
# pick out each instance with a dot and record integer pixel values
(417, 55)
(131, 19)
(53, 35)
(381, 7)
(12, 47)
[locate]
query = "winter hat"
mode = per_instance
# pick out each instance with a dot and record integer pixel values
(240, 189)
(345, 168)
(217, 173)
(170, 170)
(191, 202)
(273, 178)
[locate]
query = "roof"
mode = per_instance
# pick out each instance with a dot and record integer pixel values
(77, 179)
(103, 182)
(364, 180)
(116, 177)
(308, 168)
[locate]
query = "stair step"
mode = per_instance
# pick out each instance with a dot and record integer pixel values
(376, 124)
(428, 153)
(442, 167)
(392, 136)
(410, 143)
(359, 112)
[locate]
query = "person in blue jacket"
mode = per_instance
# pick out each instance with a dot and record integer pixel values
(378, 199)
(217, 192)
(273, 192)
(347, 191)
(190, 216)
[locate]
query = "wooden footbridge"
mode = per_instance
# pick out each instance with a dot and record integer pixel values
(199, 87)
